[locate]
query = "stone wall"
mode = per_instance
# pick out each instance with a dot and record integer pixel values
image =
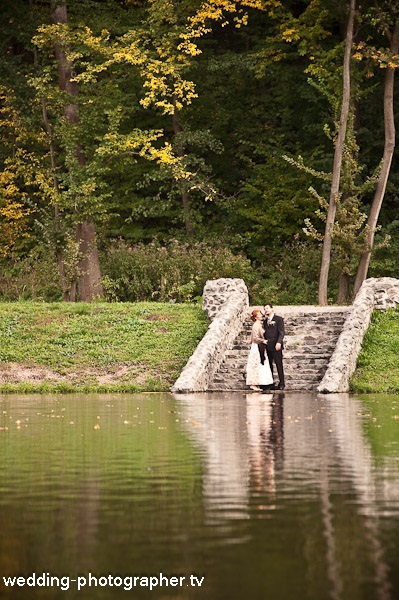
(226, 302)
(378, 294)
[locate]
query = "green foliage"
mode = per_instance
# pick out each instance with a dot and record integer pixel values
(33, 277)
(286, 276)
(192, 98)
(385, 258)
(377, 366)
(175, 272)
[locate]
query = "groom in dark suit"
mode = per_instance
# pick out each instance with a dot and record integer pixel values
(274, 336)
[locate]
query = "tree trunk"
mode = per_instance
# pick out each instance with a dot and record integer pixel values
(343, 288)
(389, 147)
(89, 283)
(57, 219)
(184, 193)
(336, 173)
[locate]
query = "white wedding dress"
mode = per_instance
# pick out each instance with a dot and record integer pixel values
(257, 374)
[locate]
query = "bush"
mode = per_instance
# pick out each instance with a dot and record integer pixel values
(176, 272)
(32, 278)
(287, 276)
(384, 259)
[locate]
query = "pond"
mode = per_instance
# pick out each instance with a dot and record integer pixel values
(211, 496)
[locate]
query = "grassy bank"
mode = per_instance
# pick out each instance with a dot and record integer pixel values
(119, 347)
(378, 362)
(133, 347)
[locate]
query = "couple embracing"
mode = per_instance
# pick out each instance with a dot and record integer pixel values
(266, 341)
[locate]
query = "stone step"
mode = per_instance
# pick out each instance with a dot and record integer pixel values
(292, 351)
(311, 338)
(299, 386)
(309, 343)
(302, 352)
(304, 324)
(310, 317)
(289, 375)
(319, 332)
(300, 340)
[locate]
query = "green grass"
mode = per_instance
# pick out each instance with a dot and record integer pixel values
(378, 363)
(121, 347)
(136, 347)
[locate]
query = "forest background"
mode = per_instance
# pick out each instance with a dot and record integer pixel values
(147, 146)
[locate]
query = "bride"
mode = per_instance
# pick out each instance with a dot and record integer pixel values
(258, 368)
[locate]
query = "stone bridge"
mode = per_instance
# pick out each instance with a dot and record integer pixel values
(322, 343)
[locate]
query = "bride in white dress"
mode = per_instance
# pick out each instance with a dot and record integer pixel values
(257, 373)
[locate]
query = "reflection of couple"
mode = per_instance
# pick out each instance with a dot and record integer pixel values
(266, 446)
(266, 340)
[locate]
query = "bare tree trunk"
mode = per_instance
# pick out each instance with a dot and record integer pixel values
(184, 193)
(389, 147)
(336, 173)
(89, 282)
(57, 220)
(90, 285)
(343, 288)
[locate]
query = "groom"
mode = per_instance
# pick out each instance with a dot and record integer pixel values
(274, 336)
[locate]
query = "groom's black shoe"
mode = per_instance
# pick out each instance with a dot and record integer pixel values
(281, 386)
(267, 389)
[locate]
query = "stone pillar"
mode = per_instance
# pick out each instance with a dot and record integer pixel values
(218, 293)
(226, 302)
(380, 294)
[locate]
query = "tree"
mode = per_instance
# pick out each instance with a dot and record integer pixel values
(168, 104)
(390, 62)
(14, 212)
(338, 153)
(89, 275)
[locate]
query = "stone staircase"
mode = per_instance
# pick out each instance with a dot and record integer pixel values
(311, 333)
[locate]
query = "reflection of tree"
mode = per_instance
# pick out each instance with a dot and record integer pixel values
(308, 456)
(217, 427)
(373, 495)
(277, 430)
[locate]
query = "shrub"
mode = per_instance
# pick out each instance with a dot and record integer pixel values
(34, 277)
(287, 276)
(176, 272)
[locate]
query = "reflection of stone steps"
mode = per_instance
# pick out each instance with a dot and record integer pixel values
(311, 334)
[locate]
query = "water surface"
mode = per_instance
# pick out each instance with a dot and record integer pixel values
(216, 496)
